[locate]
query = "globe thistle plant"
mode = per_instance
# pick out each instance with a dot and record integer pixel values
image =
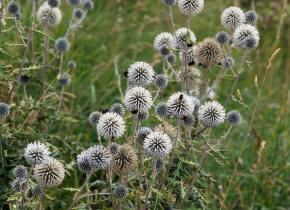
(4, 110)
(121, 192)
(160, 81)
(47, 16)
(180, 104)
(222, 37)
(232, 18)
(125, 160)
(94, 118)
(140, 74)
(118, 109)
(157, 144)
(13, 8)
(88, 5)
(180, 38)
(142, 133)
(163, 40)
(53, 3)
(74, 2)
(171, 57)
(250, 43)
(233, 117)
(20, 172)
(64, 79)
(71, 65)
(211, 114)
(169, 3)
(19, 185)
(143, 115)
(83, 161)
(36, 153)
(243, 32)
(138, 99)
(190, 7)
(99, 157)
(228, 62)
(251, 17)
(162, 109)
(36, 191)
(191, 56)
(78, 13)
(188, 120)
(62, 44)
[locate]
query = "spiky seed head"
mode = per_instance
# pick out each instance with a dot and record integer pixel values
(163, 41)
(121, 192)
(36, 153)
(138, 99)
(36, 191)
(24, 79)
(18, 16)
(83, 161)
(169, 3)
(78, 13)
(171, 57)
(140, 74)
(74, 2)
(183, 37)
(62, 44)
(188, 120)
(160, 81)
(13, 7)
(180, 104)
(251, 17)
(243, 32)
(159, 164)
(157, 144)
(228, 62)
(88, 5)
(196, 102)
(143, 115)
(20, 172)
(250, 43)
(19, 185)
(234, 117)
(162, 109)
(53, 3)
(47, 16)
(94, 118)
(191, 7)
(142, 133)
(118, 109)
(64, 79)
(222, 37)
(4, 110)
(211, 114)
(111, 125)
(114, 148)
(191, 56)
(100, 157)
(71, 65)
(125, 160)
(232, 18)
(209, 53)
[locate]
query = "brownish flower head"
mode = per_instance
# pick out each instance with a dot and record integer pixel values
(125, 160)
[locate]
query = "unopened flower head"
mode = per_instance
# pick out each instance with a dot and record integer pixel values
(211, 114)
(13, 7)
(125, 160)
(100, 157)
(83, 161)
(114, 148)
(78, 13)
(234, 117)
(62, 44)
(228, 62)
(71, 65)
(232, 17)
(18, 16)
(20, 172)
(191, 7)
(4, 110)
(88, 5)
(171, 57)
(111, 125)
(118, 109)
(163, 39)
(157, 144)
(159, 164)
(121, 192)
(191, 56)
(24, 79)
(142, 133)
(169, 3)
(188, 120)
(64, 79)
(196, 102)
(36, 153)
(47, 16)
(162, 109)
(180, 104)
(138, 99)
(36, 191)
(250, 43)
(140, 74)
(75, 2)
(251, 17)
(222, 37)
(243, 32)
(53, 3)
(180, 38)
(50, 174)
(19, 185)
(94, 118)
(160, 81)
(143, 115)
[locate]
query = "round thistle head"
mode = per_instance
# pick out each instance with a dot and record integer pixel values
(228, 62)
(94, 118)
(19, 185)
(157, 144)
(4, 110)
(232, 17)
(36, 191)
(211, 114)
(191, 56)
(143, 115)
(243, 32)
(20, 172)
(64, 79)
(62, 44)
(160, 81)
(180, 104)
(78, 13)
(53, 3)
(24, 79)
(83, 161)
(164, 51)
(181, 38)
(47, 16)
(190, 7)
(234, 117)
(162, 110)
(163, 40)
(251, 17)
(111, 125)
(18, 16)
(196, 102)
(120, 191)
(71, 65)
(171, 58)
(100, 157)
(36, 153)
(125, 160)
(159, 164)
(114, 148)
(88, 5)
(50, 174)
(138, 99)
(118, 109)
(250, 43)
(74, 2)
(188, 120)
(209, 53)
(169, 3)
(222, 37)
(13, 8)
(142, 133)
(140, 74)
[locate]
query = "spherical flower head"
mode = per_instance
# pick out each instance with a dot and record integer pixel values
(74, 2)
(118, 109)
(114, 148)
(100, 157)
(171, 58)
(36, 153)
(62, 44)
(50, 174)
(163, 39)
(64, 79)
(138, 99)
(164, 51)
(47, 16)
(234, 117)
(159, 164)
(4, 110)
(140, 74)
(191, 56)
(162, 110)
(111, 125)
(94, 118)
(209, 53)
(181, 38)
(196, 102)
(188, 120)
(36, 191)
(53, 3)
(250, 43)
(190, 7)
(157, 144)
(243, 32)
(222, 37)
(180, 104)
(88, 5)
(232, 18)
(19, 185)
(143, 115)
(169, 3)
(142, 133)
(18, 16)
(71, 65)
(24, 79)
(20, 172)
(13, 7)
(228, 62)
(211, 114)
(125, 160)
(78, 13)
(121, 192)
(83, 161)
(251, 17)
(160, 81)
